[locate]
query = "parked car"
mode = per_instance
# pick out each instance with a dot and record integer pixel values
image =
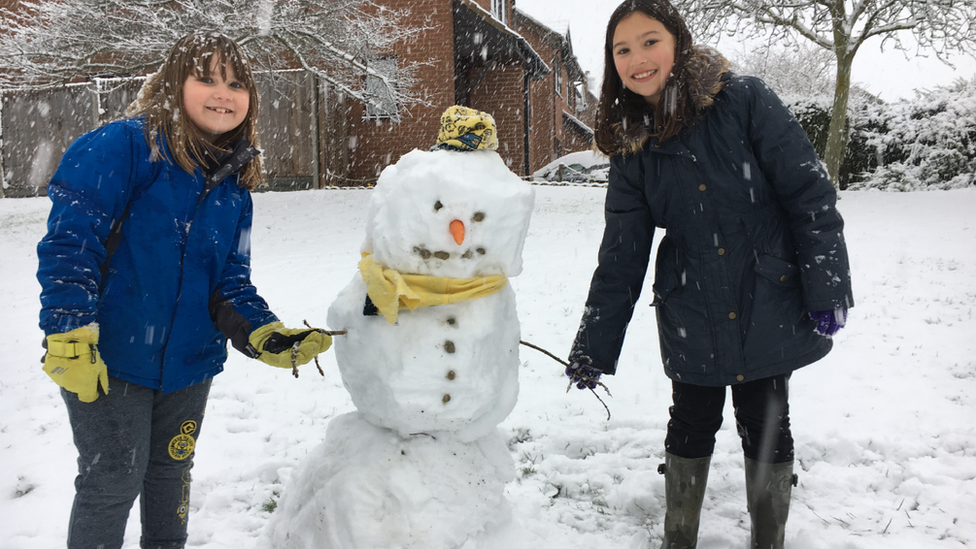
(576, 167)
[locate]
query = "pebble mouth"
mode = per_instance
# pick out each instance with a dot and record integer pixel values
(444, 256)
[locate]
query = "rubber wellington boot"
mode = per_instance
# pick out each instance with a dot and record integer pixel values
(768, 490)
(684, 491)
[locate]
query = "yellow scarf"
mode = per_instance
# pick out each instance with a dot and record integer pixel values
(392, 291)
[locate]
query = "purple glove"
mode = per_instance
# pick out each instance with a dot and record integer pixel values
(829, 322)
(583, 374)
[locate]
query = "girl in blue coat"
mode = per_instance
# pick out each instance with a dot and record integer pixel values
(145, 274)
(752, 276)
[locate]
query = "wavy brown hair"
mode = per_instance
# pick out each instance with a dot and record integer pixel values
(160, 101)
(623, 115)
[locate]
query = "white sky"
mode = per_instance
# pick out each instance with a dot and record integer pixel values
(888, 75)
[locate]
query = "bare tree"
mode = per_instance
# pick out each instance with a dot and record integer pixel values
(52, 42)
(842, 27)
(801, 71)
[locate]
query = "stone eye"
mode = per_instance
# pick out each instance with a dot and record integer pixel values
(479, 217)
(438, 205)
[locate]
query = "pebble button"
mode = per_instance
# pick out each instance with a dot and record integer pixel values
(451, 375)
(732, 316)
(446, 399)
(740, 377)
(449, 346)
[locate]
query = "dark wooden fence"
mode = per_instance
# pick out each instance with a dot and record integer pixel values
(302, 126)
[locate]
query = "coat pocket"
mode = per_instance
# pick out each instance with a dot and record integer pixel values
(778, 271)
(776, 310)
(668, 271)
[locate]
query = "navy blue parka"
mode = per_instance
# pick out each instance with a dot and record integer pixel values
(753, 243)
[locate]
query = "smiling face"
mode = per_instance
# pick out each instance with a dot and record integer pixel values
(643, 54)
(216, 103)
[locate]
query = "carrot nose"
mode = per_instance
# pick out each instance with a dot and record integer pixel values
(457, 231)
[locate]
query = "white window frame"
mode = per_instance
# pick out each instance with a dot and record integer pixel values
(387, 107)
(557, 73)
(499, 12)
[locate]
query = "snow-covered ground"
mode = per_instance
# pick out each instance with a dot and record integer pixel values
(885, 426)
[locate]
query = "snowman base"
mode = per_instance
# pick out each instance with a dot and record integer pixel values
(368, 487)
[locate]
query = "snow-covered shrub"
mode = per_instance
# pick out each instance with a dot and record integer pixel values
(927, 143)
(813, 113)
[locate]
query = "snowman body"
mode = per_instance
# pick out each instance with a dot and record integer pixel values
(421, 464)
(367, 488)
(451, 367)
(439, 369)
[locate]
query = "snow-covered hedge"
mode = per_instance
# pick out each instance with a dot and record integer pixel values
(925, 143)
(865, 114)
(931, 141)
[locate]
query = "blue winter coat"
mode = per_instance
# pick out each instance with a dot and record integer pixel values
(179, 259)
(754, 243)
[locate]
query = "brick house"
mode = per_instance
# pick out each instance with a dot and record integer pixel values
(562, 105)
(487, 55)
(483, 54)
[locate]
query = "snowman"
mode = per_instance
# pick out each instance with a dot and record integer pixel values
(430, 359)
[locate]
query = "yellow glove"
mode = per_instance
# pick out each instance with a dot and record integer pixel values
(274, 342)
(73, 362)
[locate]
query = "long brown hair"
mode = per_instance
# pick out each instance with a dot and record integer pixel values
(622, 115)
(160, 101)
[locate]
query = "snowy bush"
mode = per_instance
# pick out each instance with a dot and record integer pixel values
(813, 113)
(928, 143)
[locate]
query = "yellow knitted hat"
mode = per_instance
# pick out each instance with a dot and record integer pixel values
(466, 129)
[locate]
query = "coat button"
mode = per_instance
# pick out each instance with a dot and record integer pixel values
(740, 377)
(783, 278)
(732, 316)
(451, 375)
(721, 251)
(701, 187)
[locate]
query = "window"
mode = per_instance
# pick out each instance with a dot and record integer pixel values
(499, 12)
(557, 75)
(383, 103)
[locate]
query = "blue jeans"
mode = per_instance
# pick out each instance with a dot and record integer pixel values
(134, 441)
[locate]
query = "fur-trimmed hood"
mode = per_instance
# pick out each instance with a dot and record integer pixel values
(705, 69)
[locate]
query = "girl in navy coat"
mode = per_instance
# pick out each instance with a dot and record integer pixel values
(752, 276)
(145, 274)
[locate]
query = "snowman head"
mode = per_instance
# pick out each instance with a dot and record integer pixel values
(449, 213)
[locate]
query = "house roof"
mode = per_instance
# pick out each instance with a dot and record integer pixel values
(478, 34)
(556, 41)
(577, 125)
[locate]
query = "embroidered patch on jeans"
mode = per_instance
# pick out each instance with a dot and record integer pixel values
(181, 447)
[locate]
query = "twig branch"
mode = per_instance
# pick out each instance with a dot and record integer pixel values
(297, 345)
(581, 376)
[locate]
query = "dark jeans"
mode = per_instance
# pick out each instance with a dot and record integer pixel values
(132, 442)
(762, 417)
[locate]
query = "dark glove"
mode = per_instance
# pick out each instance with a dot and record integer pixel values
(829, 322)
(583, 374)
